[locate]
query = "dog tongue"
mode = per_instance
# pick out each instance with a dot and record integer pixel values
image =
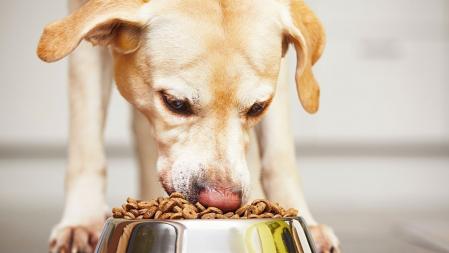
(223, 199)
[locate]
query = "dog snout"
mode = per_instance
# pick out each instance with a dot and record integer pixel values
(213, 185)
(224, 198)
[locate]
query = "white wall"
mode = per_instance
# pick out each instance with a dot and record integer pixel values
(383, 75)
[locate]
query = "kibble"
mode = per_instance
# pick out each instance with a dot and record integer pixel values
(178, 208)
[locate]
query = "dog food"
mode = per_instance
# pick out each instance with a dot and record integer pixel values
(177, 207)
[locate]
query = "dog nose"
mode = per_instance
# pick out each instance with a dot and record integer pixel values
(226, 200)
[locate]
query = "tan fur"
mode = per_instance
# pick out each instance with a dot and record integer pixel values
(308, 52)
(61, 37)
(223, 56)
(146, 154)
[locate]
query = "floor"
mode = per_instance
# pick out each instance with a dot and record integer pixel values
(381, 210)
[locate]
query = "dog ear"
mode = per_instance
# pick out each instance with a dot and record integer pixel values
(307, 35)
(102, 22)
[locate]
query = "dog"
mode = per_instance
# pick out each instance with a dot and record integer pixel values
(207, 84)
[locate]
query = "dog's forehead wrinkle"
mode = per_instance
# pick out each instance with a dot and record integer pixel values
(177, 87)
(255, 91)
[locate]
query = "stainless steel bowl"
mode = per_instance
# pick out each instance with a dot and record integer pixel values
(286, 235)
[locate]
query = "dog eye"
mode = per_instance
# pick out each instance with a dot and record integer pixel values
(178, 106)
(256, 109)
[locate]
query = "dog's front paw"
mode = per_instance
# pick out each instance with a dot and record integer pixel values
(325, 239)
(74, 239)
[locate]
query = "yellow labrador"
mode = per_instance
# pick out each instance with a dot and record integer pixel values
(200, 75)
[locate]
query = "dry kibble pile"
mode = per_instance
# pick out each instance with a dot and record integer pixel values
(177, 207)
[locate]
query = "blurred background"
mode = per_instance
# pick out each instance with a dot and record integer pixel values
(374, 160)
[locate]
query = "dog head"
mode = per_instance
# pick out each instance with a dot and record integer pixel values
(203, 73)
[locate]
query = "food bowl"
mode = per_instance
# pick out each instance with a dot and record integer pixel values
(284, 235)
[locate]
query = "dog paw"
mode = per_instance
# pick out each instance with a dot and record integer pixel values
(325, 239)
(74, 239)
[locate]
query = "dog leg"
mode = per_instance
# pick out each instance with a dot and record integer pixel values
(255, 167)
(146, 151)
(85, 182)
(280, 176)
